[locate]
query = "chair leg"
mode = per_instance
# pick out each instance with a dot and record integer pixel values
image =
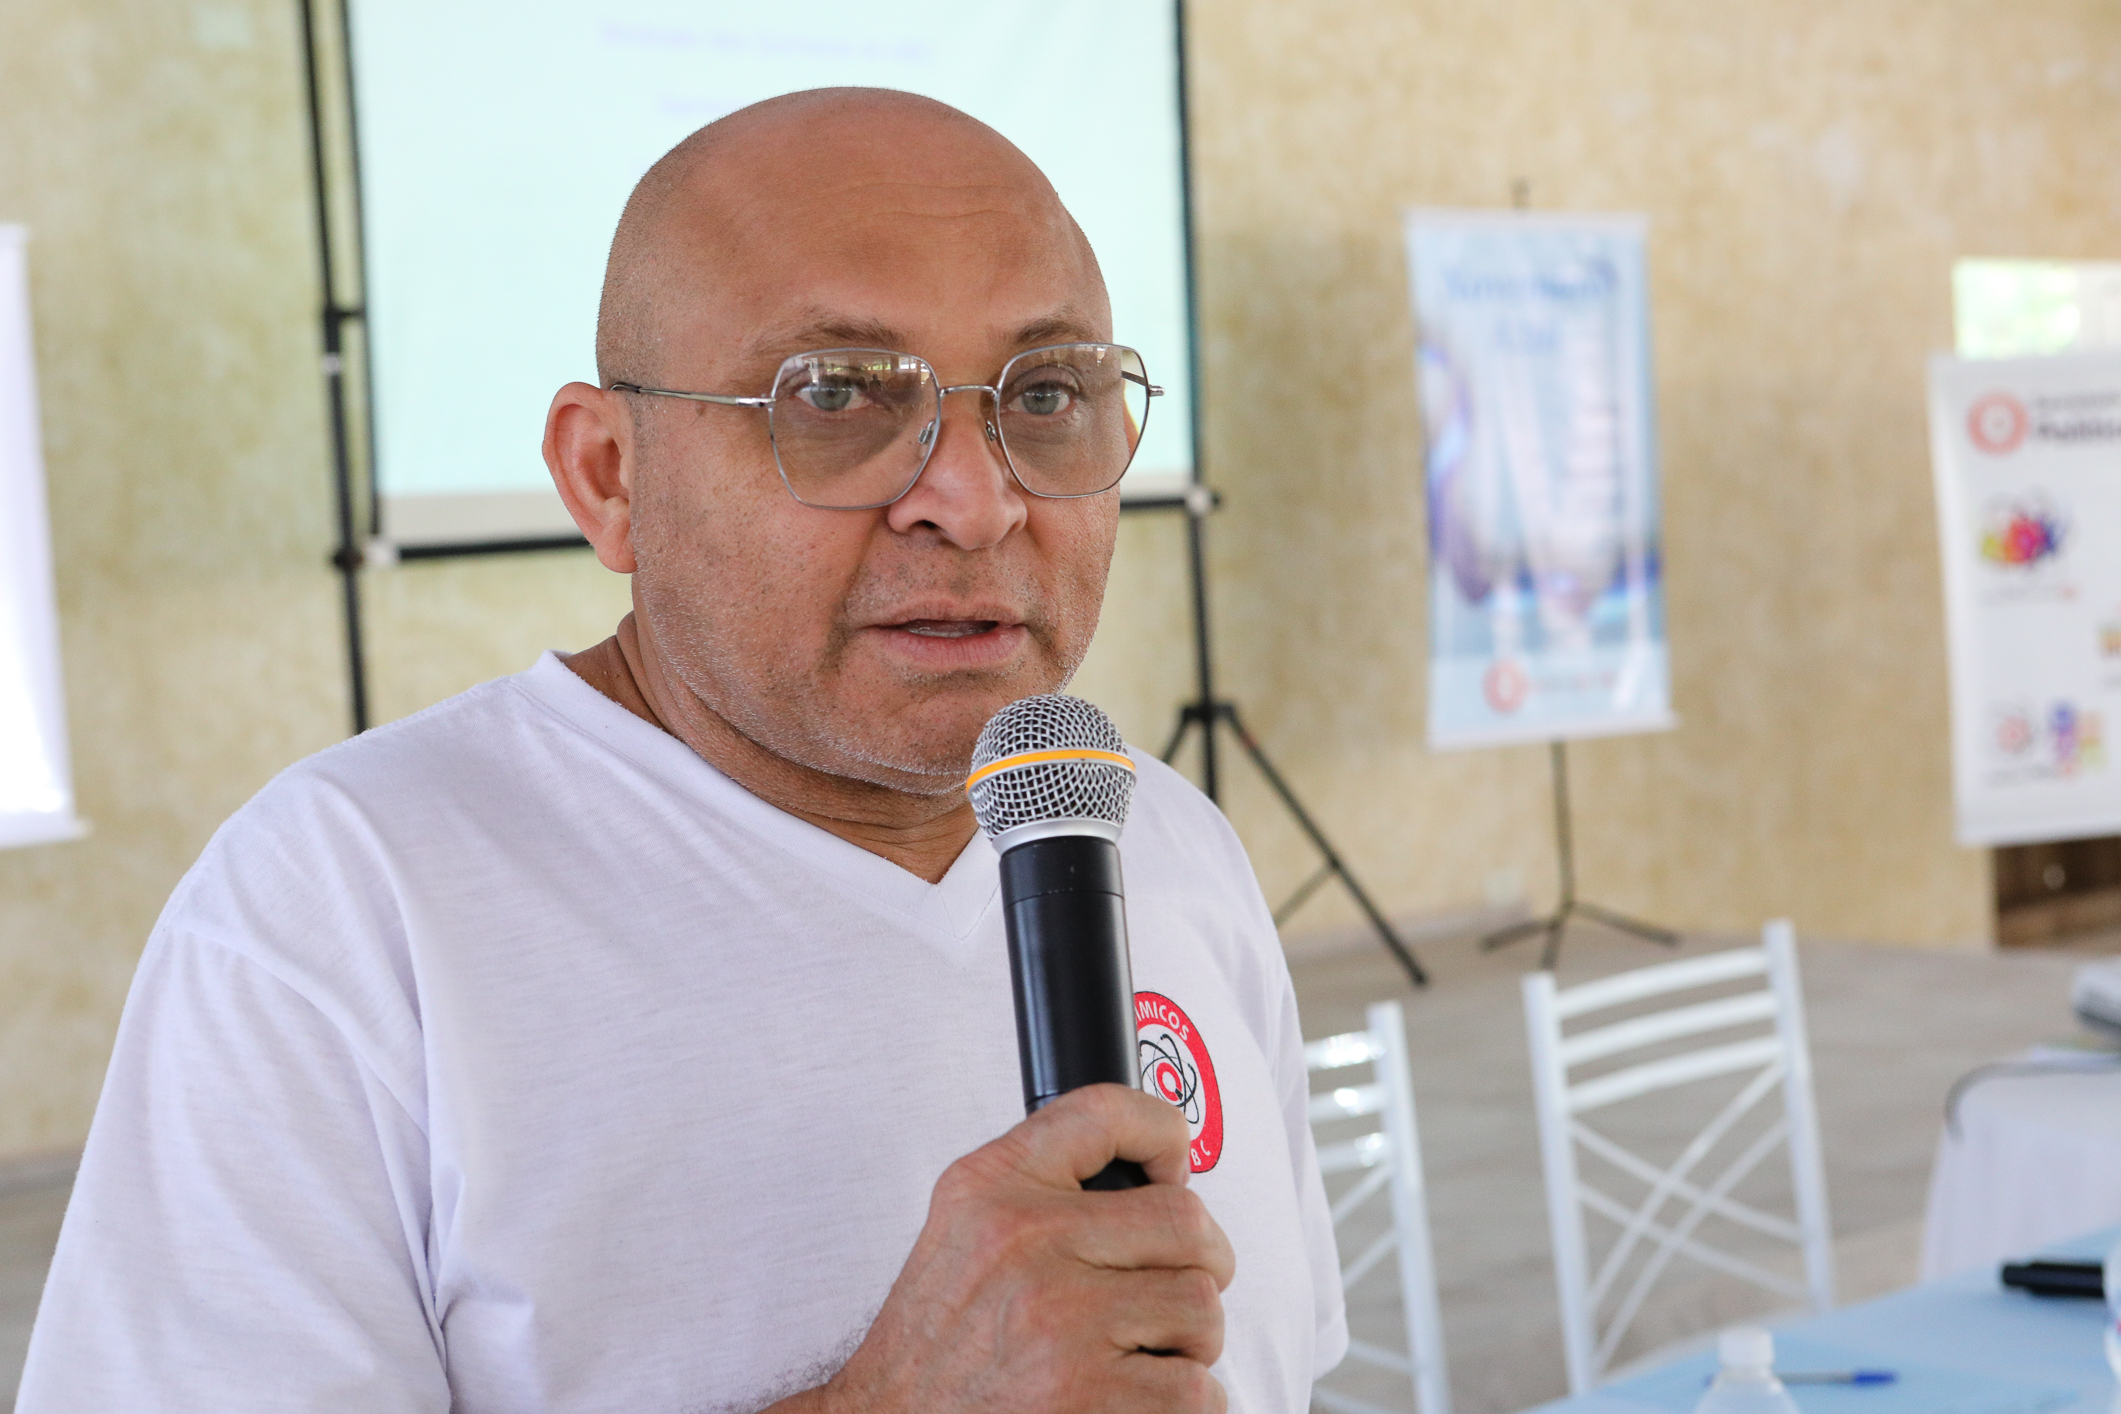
(1410, 1213)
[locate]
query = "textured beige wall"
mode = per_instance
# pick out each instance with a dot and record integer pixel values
(171, 290)
(1810, 169)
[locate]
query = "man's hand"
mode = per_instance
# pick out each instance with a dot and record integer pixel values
(1025, 1293)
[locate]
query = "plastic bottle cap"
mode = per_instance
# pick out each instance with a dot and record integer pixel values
(1746, 1347)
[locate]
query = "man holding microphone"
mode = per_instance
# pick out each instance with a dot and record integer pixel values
(634, 1033)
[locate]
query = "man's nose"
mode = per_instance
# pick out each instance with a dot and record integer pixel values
(965, 491)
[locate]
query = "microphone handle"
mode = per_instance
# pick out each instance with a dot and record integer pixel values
(1066, 913)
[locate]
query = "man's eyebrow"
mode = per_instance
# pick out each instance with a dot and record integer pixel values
(828, 332)
(1066, 327)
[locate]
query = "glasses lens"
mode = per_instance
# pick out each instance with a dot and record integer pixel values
(1072, 415)
(852, 427)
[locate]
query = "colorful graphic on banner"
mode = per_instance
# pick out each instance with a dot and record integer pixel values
(2027, 456)
(1546, 611)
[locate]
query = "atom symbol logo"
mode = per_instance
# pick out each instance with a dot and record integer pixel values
(1168, 1075)
(1175, 1067)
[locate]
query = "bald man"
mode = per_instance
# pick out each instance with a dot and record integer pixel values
(634, 1033)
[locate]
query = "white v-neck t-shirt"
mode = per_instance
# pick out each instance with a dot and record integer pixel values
(512, 1058)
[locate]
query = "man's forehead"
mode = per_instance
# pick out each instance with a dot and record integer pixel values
(943, 232)
(818, 327)
(902, 174)
(855, 189)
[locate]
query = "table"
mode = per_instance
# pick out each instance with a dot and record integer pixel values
(1962, 1345)
(2037, 1158)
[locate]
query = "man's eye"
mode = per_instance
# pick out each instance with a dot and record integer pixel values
(829, 397)
(1045, 399)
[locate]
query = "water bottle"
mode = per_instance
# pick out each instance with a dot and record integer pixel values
(1746, 1384)
(2113, 1312)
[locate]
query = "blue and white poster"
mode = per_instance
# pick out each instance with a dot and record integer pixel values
(1546, 607)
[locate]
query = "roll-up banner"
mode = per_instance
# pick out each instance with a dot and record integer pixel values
(2027, 458)
(1546, 608)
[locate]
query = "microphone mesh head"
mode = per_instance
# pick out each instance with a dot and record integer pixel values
(1049, 790)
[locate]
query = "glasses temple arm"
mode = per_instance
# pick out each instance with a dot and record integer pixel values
(724, 399)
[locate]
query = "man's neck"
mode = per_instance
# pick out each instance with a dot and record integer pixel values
(921, 834)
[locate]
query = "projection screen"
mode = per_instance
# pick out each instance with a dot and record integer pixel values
(36, 790)
(497, 146)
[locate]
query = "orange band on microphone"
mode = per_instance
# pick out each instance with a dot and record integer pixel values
(1040, 758)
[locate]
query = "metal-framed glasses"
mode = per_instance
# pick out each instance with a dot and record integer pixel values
(852, 429)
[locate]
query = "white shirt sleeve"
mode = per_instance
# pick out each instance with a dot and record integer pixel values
(248, 1231)
(1265, 972)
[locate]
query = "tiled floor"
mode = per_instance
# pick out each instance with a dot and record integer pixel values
(1891, 1028)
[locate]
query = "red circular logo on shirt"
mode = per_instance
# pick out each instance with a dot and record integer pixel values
(1997, 423)
(1175, 1066)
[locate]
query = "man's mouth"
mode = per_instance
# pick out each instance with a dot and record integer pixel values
(947, 628)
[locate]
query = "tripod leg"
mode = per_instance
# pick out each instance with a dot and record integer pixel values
(1178, 735)
(1647, 931)
(1303, 894)
(1228, 713)
(1564, 854)
(1503, 937)
(1552, 953)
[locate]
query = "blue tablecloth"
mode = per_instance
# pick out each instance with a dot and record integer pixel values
(1962, 1345)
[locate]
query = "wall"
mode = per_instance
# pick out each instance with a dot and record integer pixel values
(1810, 170)
(170, 292)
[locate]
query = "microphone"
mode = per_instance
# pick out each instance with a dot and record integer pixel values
(1050, 783)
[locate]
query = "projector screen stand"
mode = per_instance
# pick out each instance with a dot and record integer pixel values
(346, 557)
(1569, 906)
(1210, 713)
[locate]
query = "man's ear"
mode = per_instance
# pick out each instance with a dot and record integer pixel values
(589, 451)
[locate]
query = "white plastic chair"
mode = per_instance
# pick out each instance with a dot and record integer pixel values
(1778, 1059)
(1391, 1155)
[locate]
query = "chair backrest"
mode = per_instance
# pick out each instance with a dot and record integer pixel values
(1388, 1158)
(1777, 1057)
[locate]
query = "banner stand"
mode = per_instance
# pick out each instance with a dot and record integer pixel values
(2029, 530)
(1557, 922)
(1546, 618)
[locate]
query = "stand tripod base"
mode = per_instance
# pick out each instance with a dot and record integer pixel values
(1208, 716)
(1557, 922)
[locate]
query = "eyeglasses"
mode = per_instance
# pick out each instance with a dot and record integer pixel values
(853, 429)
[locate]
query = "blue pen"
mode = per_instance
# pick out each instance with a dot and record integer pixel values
(1829, 1377)
(1838, 1377)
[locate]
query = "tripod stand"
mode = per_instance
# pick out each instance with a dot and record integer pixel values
(1209, 714)
(1569, 905)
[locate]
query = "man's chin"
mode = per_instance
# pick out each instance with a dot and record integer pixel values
(923, 744)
